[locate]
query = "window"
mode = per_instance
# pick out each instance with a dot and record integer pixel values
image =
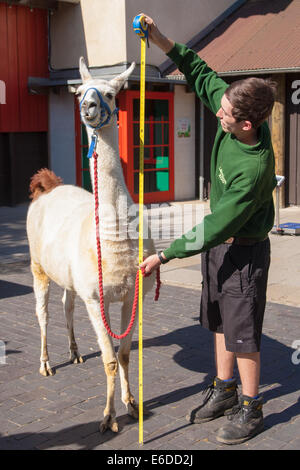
(158, 144)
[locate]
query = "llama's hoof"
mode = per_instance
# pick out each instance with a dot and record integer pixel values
(46, 370)
(133, 410)
(76, 358)
(146, 412)
(109, 423)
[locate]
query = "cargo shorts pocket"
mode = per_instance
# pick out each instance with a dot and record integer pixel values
(238, 276)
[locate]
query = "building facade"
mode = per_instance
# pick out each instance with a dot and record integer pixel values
(41, 42)
(23, 116)
(261, 39)
(106, 39)
(101, 32)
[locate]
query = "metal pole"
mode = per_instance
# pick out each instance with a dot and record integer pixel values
(280, 180)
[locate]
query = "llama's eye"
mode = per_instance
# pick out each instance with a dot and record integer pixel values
(109, 96)
(77, 92)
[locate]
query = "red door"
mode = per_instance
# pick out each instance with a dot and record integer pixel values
(159, 144)
(23, 53)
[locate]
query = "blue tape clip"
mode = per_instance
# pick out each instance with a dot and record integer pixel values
(140, 27)
(92, 146)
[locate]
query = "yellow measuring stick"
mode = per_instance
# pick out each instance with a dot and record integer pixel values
(141, 29)
(141, 230)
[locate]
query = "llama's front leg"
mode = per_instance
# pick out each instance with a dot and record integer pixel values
(68, 304)
(109, 360)
(123, 356)
(41, 291)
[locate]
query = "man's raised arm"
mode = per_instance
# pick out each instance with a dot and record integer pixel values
(208, 86)
(161, 41)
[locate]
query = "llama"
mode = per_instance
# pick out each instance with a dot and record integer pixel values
(62, 242)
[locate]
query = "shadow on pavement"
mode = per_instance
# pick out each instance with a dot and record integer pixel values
(11, 289)
(85, 435)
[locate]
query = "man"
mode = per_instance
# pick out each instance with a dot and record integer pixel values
(235, 246)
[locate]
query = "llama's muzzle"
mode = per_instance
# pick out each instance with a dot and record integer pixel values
(88, 111)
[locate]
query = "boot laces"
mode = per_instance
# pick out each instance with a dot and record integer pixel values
(208, 392)
(238, 412)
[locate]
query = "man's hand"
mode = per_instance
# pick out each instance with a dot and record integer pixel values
(150, 264)
(157, 37)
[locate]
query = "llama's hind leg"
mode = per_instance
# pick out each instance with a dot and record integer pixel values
(68, 304)
(109, 360)
(41, 291)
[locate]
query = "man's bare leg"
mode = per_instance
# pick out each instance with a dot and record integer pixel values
(224, 359)
(248, 366)
(222, 395)
(249, 370)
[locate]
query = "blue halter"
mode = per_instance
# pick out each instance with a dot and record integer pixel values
(105, 116)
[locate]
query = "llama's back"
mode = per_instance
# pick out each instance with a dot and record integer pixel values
(43, 182)
(54, 224)
(57, 212)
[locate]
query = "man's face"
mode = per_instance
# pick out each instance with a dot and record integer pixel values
(228, 122)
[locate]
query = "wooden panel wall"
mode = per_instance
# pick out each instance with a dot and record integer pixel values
(292, 157)
(23, 53)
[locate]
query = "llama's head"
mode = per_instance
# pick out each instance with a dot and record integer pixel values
(97, 96)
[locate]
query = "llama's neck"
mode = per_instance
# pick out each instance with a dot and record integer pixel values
(114, 199)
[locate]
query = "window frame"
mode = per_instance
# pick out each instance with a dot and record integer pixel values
(126, 128)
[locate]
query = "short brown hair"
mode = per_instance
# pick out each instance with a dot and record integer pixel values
(252, 99)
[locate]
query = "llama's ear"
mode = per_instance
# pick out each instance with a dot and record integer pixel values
(119, 81)
(84, 73)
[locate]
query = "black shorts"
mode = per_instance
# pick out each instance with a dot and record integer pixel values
(234, 293)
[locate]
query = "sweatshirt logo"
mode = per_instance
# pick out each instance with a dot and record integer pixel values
(221, 176)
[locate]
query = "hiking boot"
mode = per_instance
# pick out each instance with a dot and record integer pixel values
(246, 420)
(220, 396)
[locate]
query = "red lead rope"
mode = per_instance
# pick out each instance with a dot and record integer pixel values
(100, 278)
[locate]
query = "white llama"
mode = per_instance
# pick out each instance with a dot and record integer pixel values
(62, 241)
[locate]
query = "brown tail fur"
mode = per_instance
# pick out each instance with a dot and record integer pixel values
(43, 182)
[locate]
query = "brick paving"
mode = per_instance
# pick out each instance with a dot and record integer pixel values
(64, 411)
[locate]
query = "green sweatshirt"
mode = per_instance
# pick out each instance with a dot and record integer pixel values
(242, 176)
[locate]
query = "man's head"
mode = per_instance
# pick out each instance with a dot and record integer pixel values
(246, 104)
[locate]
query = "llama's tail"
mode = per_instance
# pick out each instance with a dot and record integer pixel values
(43, 182)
